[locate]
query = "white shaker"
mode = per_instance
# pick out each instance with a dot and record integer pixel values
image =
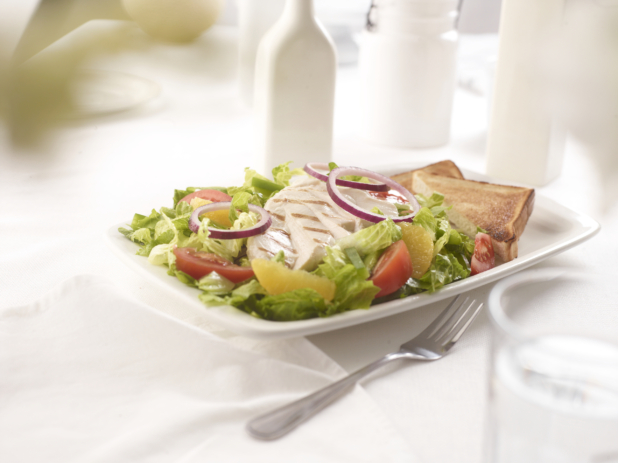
(408, 72)
(255, 17)
(524, 143)
(294, 90)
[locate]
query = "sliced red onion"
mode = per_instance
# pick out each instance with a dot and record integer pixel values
(311, 169)
(345, 204)
(260, 227)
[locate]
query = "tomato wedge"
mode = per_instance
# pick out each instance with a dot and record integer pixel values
(393, 269)
(483, 258)
(215, 196)
(199, 264)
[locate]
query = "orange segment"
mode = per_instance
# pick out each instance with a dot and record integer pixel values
(276, 278)
(420, 246)
(221, 217)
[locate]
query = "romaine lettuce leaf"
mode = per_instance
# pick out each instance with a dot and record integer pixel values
(445, 269)
(179, 194)
(443, 233)
(216, 284)
(372, 239)
(354, 291)
(282, 173)
(279, 257)
(299, 304)
(245, 297)
(427, 220)
(352, 178)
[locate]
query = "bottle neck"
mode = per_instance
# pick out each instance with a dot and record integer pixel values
(300, 11)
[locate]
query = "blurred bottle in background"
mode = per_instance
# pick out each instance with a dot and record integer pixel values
(294, 97)
(408, 72)
(255, 17)
(343, 19)
(525, 143)
(581, 67)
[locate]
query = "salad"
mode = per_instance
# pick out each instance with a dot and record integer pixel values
(310, 242)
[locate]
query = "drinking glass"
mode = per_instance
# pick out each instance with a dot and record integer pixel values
(553, 392)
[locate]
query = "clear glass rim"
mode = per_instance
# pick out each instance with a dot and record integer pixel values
(494, 301)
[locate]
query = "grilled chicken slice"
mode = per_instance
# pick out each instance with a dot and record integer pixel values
(306, 220)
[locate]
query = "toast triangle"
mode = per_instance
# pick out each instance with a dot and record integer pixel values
(500, 209)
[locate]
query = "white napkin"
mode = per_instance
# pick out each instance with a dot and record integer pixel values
(89, 375)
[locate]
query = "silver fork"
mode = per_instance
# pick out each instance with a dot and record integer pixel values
(431, 344)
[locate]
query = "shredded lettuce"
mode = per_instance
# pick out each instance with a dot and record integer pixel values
(427, 220)
(353, 291)
(179, 194)
(348, 263)
(216, 284)
(299, 304)
(282, 173)
(352, 178)
(372, 239)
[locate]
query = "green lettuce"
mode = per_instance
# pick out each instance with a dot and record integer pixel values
(445, 269)
(353, 291)
(427, 220)
(245, 297)
(352, 178)
(372, 239)
(228, 249)
(216, 284)
(282, 173)
(179, 194)
(299, 304)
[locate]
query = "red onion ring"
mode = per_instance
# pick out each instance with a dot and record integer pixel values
(341, 201)
(260, 227)
(311, 167)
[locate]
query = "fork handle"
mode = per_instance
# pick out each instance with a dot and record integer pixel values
(280, 421)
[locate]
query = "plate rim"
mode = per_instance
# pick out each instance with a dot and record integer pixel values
(244, 324)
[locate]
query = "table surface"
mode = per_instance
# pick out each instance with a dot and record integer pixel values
(57, 202)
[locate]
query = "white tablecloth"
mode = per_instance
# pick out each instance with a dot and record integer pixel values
(56, 203)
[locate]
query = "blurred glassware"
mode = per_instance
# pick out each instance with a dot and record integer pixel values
(344, 20)
(408, 72)
(553, 392)
(95, 92)
(255, 18)
(581, 67)
(524, 143)
(174, 20)
(53, 19)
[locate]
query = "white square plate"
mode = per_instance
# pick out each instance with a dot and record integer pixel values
(551, 229)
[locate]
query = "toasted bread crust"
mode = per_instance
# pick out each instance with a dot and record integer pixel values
(444, 168)
(500, 209)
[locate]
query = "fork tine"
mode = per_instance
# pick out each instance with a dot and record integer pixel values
(437, 323)
(453, 320)
(463, 325)
(445, 326)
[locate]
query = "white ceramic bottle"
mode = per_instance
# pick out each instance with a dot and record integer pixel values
(294, 90)
(524, 143)
(408, 68)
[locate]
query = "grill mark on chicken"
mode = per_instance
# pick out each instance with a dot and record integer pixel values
(284, 246)
(321, 203)
(298, 201)
(277, 216)
(320, 242)
(280, 230)
(266, 251)
(319, 230)
(303, 216)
